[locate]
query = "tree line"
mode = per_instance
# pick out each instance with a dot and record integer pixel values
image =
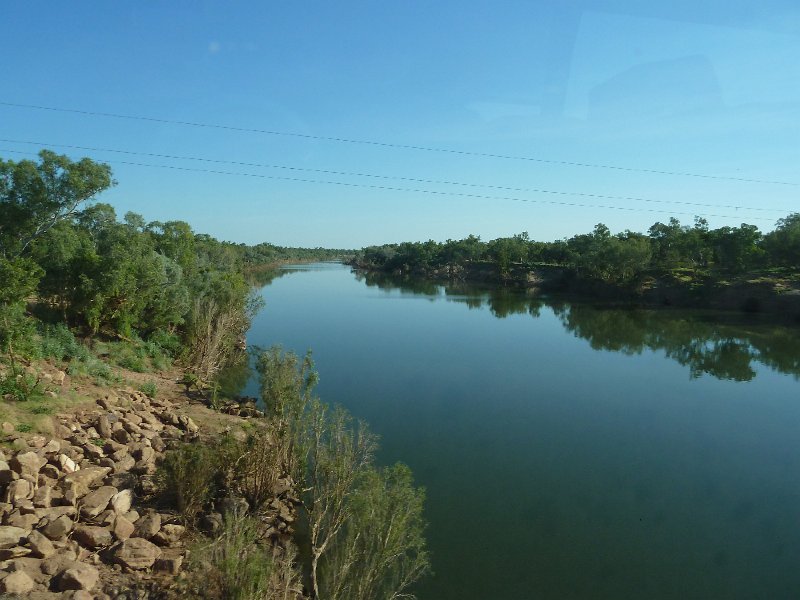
(74, 262)
(619, 259)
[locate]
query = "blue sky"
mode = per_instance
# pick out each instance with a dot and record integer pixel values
(710, 90)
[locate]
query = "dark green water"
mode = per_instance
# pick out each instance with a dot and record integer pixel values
(568, 451)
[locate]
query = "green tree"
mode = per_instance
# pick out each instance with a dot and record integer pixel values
(36, 196)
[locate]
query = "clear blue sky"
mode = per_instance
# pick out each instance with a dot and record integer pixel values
(703, 87)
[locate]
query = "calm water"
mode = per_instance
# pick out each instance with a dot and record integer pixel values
(568, 451)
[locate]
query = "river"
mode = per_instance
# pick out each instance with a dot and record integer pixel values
(568, 450)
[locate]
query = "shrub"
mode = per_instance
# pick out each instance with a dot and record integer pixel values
(58, 342)
(235, 566)
(150, 388)
(192, 475)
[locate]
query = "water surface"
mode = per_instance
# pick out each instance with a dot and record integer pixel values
(568, 450)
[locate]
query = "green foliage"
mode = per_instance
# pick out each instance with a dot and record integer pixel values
(238, 565)
(149, 388)
(59, 343)
(36, 196)
(192, 475)
(24, 427)
(382, 549)
(350, 509)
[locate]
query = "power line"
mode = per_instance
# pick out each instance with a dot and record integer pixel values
(392, 145)
(395, 177)
(414, 190)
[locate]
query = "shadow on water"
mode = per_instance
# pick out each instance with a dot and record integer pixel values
(722, 345)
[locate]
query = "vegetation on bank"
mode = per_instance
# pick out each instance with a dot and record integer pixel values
(160, 289)
(689, 252)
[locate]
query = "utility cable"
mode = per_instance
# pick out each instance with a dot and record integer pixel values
(413, 190)
(395, 177)
(391, 145)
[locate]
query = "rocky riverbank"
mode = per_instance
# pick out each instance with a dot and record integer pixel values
(81, 512)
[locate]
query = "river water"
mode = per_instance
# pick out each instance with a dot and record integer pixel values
(568, 450)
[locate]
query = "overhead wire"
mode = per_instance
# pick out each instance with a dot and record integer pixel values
(393, 177)
(410, 190)
(392, 144)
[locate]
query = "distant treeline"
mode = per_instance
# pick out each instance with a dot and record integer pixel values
(600, 255)
(131, 279)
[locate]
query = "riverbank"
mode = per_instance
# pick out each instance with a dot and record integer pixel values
(775, 292)
(87, 510)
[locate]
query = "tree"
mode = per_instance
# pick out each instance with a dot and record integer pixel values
(36, 196)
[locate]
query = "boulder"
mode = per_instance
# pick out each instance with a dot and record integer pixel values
(11, 536)
(92, 537)
(79, 577)
(58, 528)
(96, 502)
(40, 546)
(18, 583)
(18, 490)
(136, 553)
(122, 528)
(169, 535)
(121, 501)
(148, 525)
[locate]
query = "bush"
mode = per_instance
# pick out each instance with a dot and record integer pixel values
(236, 566)
(192, 475)
(150, 388)
(58, 342)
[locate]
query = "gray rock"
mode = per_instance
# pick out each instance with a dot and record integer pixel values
(169, 535)
(17, 583)
(122, 528)
(11, 536)
(121, 501)
(40, 546)
(136, 553)
(92, 537)
(58, 528)
(79, 577)
(148, 525)
(96, 502)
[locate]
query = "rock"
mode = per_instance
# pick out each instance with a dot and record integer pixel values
(169, 535)
(122, 528)
(121, 501)
(79, 577)
(233, 505)
(211, 523)
(21, 489)
(171, 566)
(50, 471)
(158, 444)
(187, 424)
(7, 427)
(126, 463)
(23, 521)
(92, 537)
(121, 436)
(11, 536)
(96, 502)
(104, 427)
(15, 552)
(67, 464)
(148, 525)
(136, 553)
(42, 497)
(27, 463)
(17, 583)
(145, 455)
(40, 546)
(86, 477)
(58, 528)
(7, 475)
